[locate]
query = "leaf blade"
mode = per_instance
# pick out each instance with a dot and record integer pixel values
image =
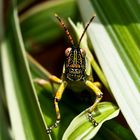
(121, 81)
(81, 128)
(25, 114)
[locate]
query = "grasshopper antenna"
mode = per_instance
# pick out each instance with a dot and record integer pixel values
(85, 30)
(65, 29)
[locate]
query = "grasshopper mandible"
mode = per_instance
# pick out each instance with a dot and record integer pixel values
(74, 75)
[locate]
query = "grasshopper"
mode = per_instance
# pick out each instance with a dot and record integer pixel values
(74, 76)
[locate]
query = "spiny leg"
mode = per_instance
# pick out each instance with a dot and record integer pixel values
(56, 100)
(99, 96)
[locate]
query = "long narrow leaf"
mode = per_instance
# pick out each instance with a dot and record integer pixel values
(117, 69)
(25, 114)
(4, 123)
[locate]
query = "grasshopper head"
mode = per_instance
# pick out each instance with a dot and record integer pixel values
(75, 64)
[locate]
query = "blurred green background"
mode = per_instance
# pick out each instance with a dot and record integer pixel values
(32, 45)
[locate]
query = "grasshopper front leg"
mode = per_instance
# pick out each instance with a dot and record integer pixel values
(56, 100)
(51, 78)
(45, 83)
(99, 96)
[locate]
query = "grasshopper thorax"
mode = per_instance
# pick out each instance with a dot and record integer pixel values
(75, 64)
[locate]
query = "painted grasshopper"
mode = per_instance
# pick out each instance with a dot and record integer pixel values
(76, 75)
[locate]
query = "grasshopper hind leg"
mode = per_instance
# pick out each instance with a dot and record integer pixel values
(55, 125)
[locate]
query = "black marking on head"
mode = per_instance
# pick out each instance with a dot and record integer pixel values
(75, 64)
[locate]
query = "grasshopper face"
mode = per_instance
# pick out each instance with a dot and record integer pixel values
(75, 64)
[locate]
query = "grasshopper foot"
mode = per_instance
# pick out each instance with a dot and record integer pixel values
(91, 119)
(49, 129)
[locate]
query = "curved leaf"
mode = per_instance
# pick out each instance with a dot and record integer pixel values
(81, 128)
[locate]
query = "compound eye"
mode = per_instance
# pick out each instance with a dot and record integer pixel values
(67, 51)
(83, 52)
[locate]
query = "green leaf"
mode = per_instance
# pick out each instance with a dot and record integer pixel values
(25, 115)
(115, 41)
(81, 128)
(5, 126)
(4, 122)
